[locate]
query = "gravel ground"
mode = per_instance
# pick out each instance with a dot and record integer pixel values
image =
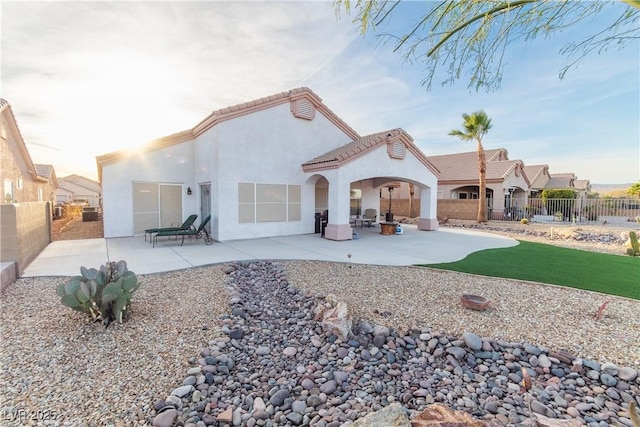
(561, 234)
(58, 369)
(75, 229)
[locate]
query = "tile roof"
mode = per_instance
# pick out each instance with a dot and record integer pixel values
(533, 171)
(463, 166)
(82, 182)
(49, 173)
(560, 180)
(501, 169)
(44, 170)
(355, 147)
(362, 145)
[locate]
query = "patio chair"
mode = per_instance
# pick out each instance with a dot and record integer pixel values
(186, 225)
(201, 231)
(370, 216)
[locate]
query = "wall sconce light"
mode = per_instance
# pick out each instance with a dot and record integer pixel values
(188, 191)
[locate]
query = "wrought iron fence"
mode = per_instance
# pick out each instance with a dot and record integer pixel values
(573, 210)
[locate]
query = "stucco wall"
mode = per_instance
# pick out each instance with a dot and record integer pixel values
(377, 163)
(26, 231)
(514, 181)
(265, 147)
(173, 165)
(13, 168)
(269, 147)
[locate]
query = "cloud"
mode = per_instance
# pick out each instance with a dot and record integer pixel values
(92, 77)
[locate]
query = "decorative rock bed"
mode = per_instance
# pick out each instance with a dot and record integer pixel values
(277, 366)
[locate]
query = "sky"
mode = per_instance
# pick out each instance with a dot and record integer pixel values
(92, 77)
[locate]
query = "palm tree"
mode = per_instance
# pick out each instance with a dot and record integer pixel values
(476, 126)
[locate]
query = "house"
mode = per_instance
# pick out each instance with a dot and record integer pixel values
(506, 183)
(263, 168)
(569, 181)
(76, 187)
(23, 181)
(582, 188)
(538, 178)
(560, 181)
(26, 207)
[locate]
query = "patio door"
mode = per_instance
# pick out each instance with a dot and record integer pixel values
(205, 203)
(156, 205)
(170, 205)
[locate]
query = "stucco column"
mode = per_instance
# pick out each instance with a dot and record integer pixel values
(428, 210)
(338, 227)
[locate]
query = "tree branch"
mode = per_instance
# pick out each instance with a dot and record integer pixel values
(497, 9)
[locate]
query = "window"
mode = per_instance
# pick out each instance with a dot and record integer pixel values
(8, 191)
(39, 194)
(462, 196)
(294, 203)
(269, 202)
(3, 129)
(246, 202)
(19, 183)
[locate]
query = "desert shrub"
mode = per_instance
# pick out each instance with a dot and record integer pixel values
(105, 294)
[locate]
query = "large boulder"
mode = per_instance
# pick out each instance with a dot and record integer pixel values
(440, 415)
(542, 421)
(334, 316)
(436, 415)
(393, 415)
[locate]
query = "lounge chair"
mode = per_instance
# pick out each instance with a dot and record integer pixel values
(186, 225)
(197, 233)
(370, 216)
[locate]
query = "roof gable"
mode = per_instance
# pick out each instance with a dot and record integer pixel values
(8, 124)
(293, 97)
(582, 184)
(48, 172)
(561, 180)
(360, 146)
(81, 181)
(535, 171)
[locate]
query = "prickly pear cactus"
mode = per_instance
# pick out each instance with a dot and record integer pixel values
(105, 294)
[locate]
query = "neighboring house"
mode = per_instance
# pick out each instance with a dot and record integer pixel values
(25, 216)
(538, 177)
(506, 183)
(76, 187)
(262, 168)
(63, 195)
(582, 187)
(567, 181)
(558, 181)
(22, 180)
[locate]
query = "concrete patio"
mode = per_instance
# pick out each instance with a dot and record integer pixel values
(64, 258)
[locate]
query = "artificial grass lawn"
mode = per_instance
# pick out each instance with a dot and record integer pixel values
(537, 262)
